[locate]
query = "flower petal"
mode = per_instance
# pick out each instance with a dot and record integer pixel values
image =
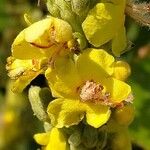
(64, 77)
(65, 112)
(68, 112)
(42, 138)
(102, 23)
(119, 42)
(95, 64)
(121, 70)
(97, 115)
(118, 90)
(21, 49)
(23, 72)
(52, 140)
(57, 140)
(25, 80)
(50, 75)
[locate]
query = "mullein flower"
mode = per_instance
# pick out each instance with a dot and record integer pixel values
(36, 48)
(52, 140)
(105, 23)
(24, 71)
(42, 39)
(87, 86)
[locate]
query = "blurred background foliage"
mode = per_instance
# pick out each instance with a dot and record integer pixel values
(17, 123)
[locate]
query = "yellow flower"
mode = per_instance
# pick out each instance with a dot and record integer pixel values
(24, 71)
(86, 86)
(52, 140)
(36, 48)
(42, 39)
(105, 23)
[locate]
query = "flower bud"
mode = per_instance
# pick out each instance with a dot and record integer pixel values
(121, 141)
(124, 115)
(121, 70)
(53, 8)
(90, 137)
(81, 7)
(102, 140)
(75, 138)
(37, 103)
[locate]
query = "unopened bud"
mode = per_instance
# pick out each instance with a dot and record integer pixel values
(37, 103)
(75, 138)
(90, 137)
(121, 140)
(102, 140)
(124, 115)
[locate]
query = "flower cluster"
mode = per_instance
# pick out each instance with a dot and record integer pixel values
(86, 82)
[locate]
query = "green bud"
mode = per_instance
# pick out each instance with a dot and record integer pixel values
(90, 137)
(37, 103)
(124, 115)
(102, 140)
(75, 138)
(80, 7)
(53, 8)
(72, 129)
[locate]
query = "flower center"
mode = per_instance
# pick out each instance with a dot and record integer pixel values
(91, 91)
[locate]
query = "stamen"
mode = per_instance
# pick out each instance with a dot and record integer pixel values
(93, 92)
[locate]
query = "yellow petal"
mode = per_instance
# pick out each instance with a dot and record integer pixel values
(42, 138)
(102, 23)
(65, 112)
(95, 64)
(118, 90)
(15, 67)
(68, 112)
(121, 70)
(50, 75)
(21, 49)
(57, 140)
(48, 32)
(119, 42)
(25, 80)
(97, 115)
(60, 27)
(23, 72)
(37, 32)
(64, 77)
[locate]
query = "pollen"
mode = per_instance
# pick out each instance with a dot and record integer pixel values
(91, 91)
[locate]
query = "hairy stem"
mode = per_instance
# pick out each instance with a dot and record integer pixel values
(140, 12)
